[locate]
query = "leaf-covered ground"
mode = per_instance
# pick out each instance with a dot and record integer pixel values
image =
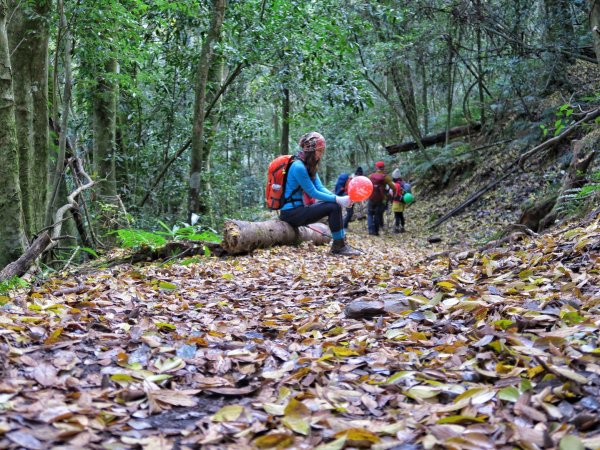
(495, 349)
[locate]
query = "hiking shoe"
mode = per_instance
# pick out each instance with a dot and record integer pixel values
(339, 247)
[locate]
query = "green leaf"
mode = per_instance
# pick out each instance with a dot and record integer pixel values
(228, 413)
(422, 392)
(122, 379)
(296, 417)
(167, 285)
(90, 251)
(571, 442)
(460, 419)
(158, 378)
(398, 376)
(338, 444)
(509, 393)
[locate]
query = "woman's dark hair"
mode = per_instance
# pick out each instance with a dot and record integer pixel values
(311, 163)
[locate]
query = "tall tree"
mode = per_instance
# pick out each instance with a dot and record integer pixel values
(206, 59)
(594, 15)
(28, 34)
(12, 233)
(559, 36)
(104, 115)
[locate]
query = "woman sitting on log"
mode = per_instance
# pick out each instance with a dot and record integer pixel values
(303, 179)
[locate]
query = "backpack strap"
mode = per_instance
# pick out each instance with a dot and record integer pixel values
(289, 199)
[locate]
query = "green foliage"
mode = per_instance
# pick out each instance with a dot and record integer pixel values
(574, 199)
(130, 238)
(562, 121)
(12, 283)
(136, 238)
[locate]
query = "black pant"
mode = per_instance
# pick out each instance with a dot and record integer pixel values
(305, 215)
(349, 214)
(399, 219)
(375, 217)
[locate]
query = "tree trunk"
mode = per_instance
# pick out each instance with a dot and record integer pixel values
(215, 81)
(104, 113)
(12, 233)
(480, 67)
(450, 89)
(403, 85)
(105, 127)
(284, 147)
(242, 237)
(197, 156)
(22, 264)
(28, 42)
(434, 139)
(57, 178)
(559, 34)
(594, 6)
(424, 99)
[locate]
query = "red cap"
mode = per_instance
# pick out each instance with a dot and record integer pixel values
(380, 164)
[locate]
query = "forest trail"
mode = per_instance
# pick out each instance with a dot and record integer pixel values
(491, 350)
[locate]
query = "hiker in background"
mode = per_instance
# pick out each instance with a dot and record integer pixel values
(398, 202)
(341, 185)
(378, 199)
(302, 179)
(350, 210)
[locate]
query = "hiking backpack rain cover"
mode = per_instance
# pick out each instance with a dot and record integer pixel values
(276, 178)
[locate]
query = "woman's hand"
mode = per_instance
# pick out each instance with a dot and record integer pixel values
(343, 201)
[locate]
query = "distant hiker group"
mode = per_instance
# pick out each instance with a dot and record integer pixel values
(296, 191)
(386, 190)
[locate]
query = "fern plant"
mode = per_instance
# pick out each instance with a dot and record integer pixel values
(572, 199)
(131, 238)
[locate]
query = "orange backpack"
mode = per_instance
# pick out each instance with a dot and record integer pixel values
(276, 178)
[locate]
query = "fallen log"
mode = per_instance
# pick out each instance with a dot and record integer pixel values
(49, 237)
(171, 250)
(433, 139)
(242, 237)
(592, 115)
(21, 265)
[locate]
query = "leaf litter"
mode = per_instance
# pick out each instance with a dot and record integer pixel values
(484, 349)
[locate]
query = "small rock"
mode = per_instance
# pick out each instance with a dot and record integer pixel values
(361, 309)
(434, 239)
(395, 303)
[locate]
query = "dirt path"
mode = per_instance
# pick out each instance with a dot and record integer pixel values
(256, 352)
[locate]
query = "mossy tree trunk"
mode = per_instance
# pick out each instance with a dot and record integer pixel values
(105, 126)
(12, 233)
(195, 203)
(28, 34)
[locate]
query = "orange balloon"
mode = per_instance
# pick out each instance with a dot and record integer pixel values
(360, 188)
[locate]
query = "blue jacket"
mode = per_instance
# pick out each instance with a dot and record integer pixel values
(298, 176)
